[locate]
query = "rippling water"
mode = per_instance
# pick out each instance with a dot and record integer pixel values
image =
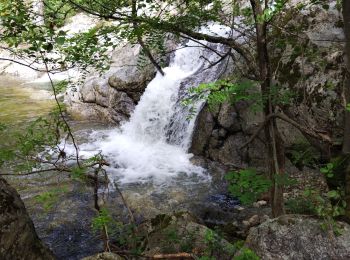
(20, 103)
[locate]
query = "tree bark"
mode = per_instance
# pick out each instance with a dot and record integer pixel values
(346, 140)
(18, 239)
(275, 147)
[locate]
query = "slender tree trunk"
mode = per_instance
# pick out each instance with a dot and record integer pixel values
(346, 141)
(275, 147)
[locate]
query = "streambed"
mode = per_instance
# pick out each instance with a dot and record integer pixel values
(63, 219)
(149, 163)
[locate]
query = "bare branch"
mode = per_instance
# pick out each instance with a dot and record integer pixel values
(308, 131)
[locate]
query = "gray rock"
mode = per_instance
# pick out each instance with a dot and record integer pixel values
(230, 153)
(204, 128)
(222, 133)
(214, 143)
(112, 96)
(87, 92)
(199, 161)
(18, 239)
(217, 171)
(228, 118)
(298, 237)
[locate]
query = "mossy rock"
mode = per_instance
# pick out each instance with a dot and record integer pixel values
(181, 232)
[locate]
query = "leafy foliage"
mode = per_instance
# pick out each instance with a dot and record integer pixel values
(327, 207)
(101, 220)
(33, 143)
(247, 185)
(56, 12)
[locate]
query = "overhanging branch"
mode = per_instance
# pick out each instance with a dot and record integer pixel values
(308, 131)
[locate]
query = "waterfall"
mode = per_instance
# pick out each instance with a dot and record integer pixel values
(153, 144)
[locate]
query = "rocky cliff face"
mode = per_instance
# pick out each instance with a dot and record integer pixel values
(18, 239)
(312, 67)
(112, 96)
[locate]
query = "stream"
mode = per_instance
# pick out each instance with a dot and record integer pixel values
(148, 157)
(21, 103)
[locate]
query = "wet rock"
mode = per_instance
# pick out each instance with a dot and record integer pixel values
(113, 96)
(217, 171)
(228, 118)
(222, 133)
(230, 153)
(214, 143)
(204, 126)
(199, 161)
(18, 239)
(298, 237)
(223, 212)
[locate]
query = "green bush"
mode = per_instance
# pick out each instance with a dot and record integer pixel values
(247, 185)
(246, 254)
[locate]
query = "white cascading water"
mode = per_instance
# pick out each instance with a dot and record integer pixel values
(153, 144)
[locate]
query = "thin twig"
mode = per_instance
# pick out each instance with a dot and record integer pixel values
(62, 115)
(131, 215)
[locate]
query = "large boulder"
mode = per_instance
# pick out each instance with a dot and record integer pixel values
(181, 232)
(204, 126)
(298, 237)
(112, 97)
(18, 239)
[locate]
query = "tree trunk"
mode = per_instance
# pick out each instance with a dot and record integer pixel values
(275, 147)
(346, 141)
(18, 239)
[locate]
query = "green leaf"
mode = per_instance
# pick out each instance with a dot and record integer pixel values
(60, 40)
(333, 194)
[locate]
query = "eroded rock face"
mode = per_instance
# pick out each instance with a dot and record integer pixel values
(317, 84)
(113, 96)
(298, 237)
(18, 239)
(219, 135)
